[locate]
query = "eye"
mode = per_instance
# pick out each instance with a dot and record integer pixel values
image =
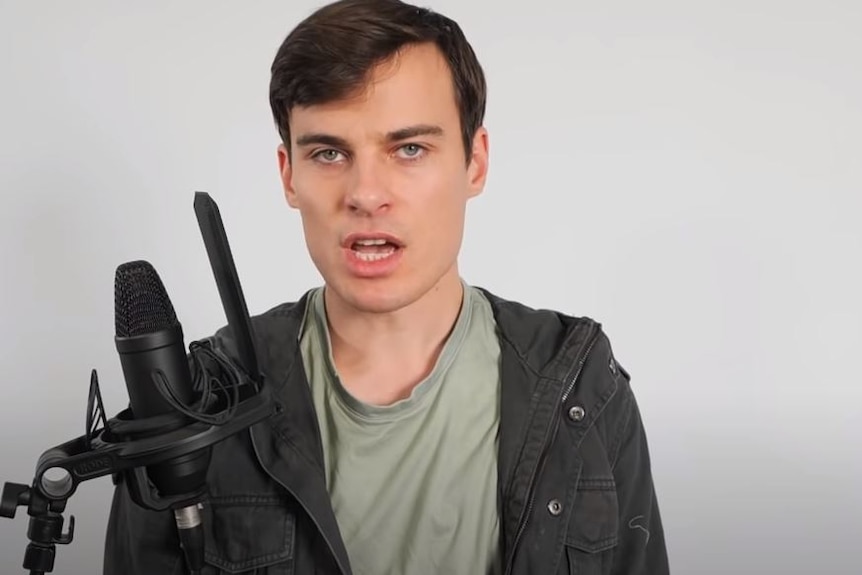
(328, 156)
(411, 151)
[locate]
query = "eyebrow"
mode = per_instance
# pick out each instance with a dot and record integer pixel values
(391, 137)
(323, 139)
(413, 132)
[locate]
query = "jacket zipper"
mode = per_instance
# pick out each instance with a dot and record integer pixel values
(581, 363)
(552, 429)
(307, 511)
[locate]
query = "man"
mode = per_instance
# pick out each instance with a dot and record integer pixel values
(425, 425)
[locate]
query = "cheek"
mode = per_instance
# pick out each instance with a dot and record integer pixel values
(312, 213)
(314, 196)
(441, 186)
(442, 212)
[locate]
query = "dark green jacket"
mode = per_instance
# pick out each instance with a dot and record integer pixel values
(575, 493)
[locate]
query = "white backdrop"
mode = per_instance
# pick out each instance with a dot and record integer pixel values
(688, 173)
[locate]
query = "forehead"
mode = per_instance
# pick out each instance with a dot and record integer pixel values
(413, 87)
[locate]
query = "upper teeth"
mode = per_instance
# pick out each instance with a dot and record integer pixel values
(377, 242)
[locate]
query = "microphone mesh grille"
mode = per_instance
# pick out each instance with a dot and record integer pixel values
(141, 304)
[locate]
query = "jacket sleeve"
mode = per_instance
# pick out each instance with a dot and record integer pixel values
(139, 541)
(641, 549)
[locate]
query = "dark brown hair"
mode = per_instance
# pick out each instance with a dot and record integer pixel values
(330, 54)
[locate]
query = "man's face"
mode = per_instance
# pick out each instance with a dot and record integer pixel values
(381, 183)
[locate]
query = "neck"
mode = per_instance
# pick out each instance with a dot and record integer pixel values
(400, 346)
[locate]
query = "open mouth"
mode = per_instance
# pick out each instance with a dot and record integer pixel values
(372, 250)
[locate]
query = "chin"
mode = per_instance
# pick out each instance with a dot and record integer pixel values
(386, 294)
(374, 296)
(376, 299)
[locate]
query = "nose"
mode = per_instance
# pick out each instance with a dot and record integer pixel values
(368, 193)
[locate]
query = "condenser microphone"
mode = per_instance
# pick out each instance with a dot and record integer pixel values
(149, 339)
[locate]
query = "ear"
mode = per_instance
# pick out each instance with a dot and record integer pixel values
(286, 173)
(477, 170)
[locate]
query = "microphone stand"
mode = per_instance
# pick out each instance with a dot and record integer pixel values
(46, 524)
(117, 447)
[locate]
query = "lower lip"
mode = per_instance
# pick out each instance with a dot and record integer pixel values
(374, 268)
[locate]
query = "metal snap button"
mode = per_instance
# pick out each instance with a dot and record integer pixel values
(577, 413)
(555, 507)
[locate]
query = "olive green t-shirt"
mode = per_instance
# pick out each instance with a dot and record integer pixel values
(414, 484)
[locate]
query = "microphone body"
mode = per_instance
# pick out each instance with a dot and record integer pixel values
(162, 354)
(149, 340)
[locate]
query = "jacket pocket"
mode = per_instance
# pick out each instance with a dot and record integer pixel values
(593, 532)
(248, 535)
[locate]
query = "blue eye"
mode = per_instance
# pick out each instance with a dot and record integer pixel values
(411, 151)
(327, 156)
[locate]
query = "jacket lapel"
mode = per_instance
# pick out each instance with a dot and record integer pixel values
(288, 445)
